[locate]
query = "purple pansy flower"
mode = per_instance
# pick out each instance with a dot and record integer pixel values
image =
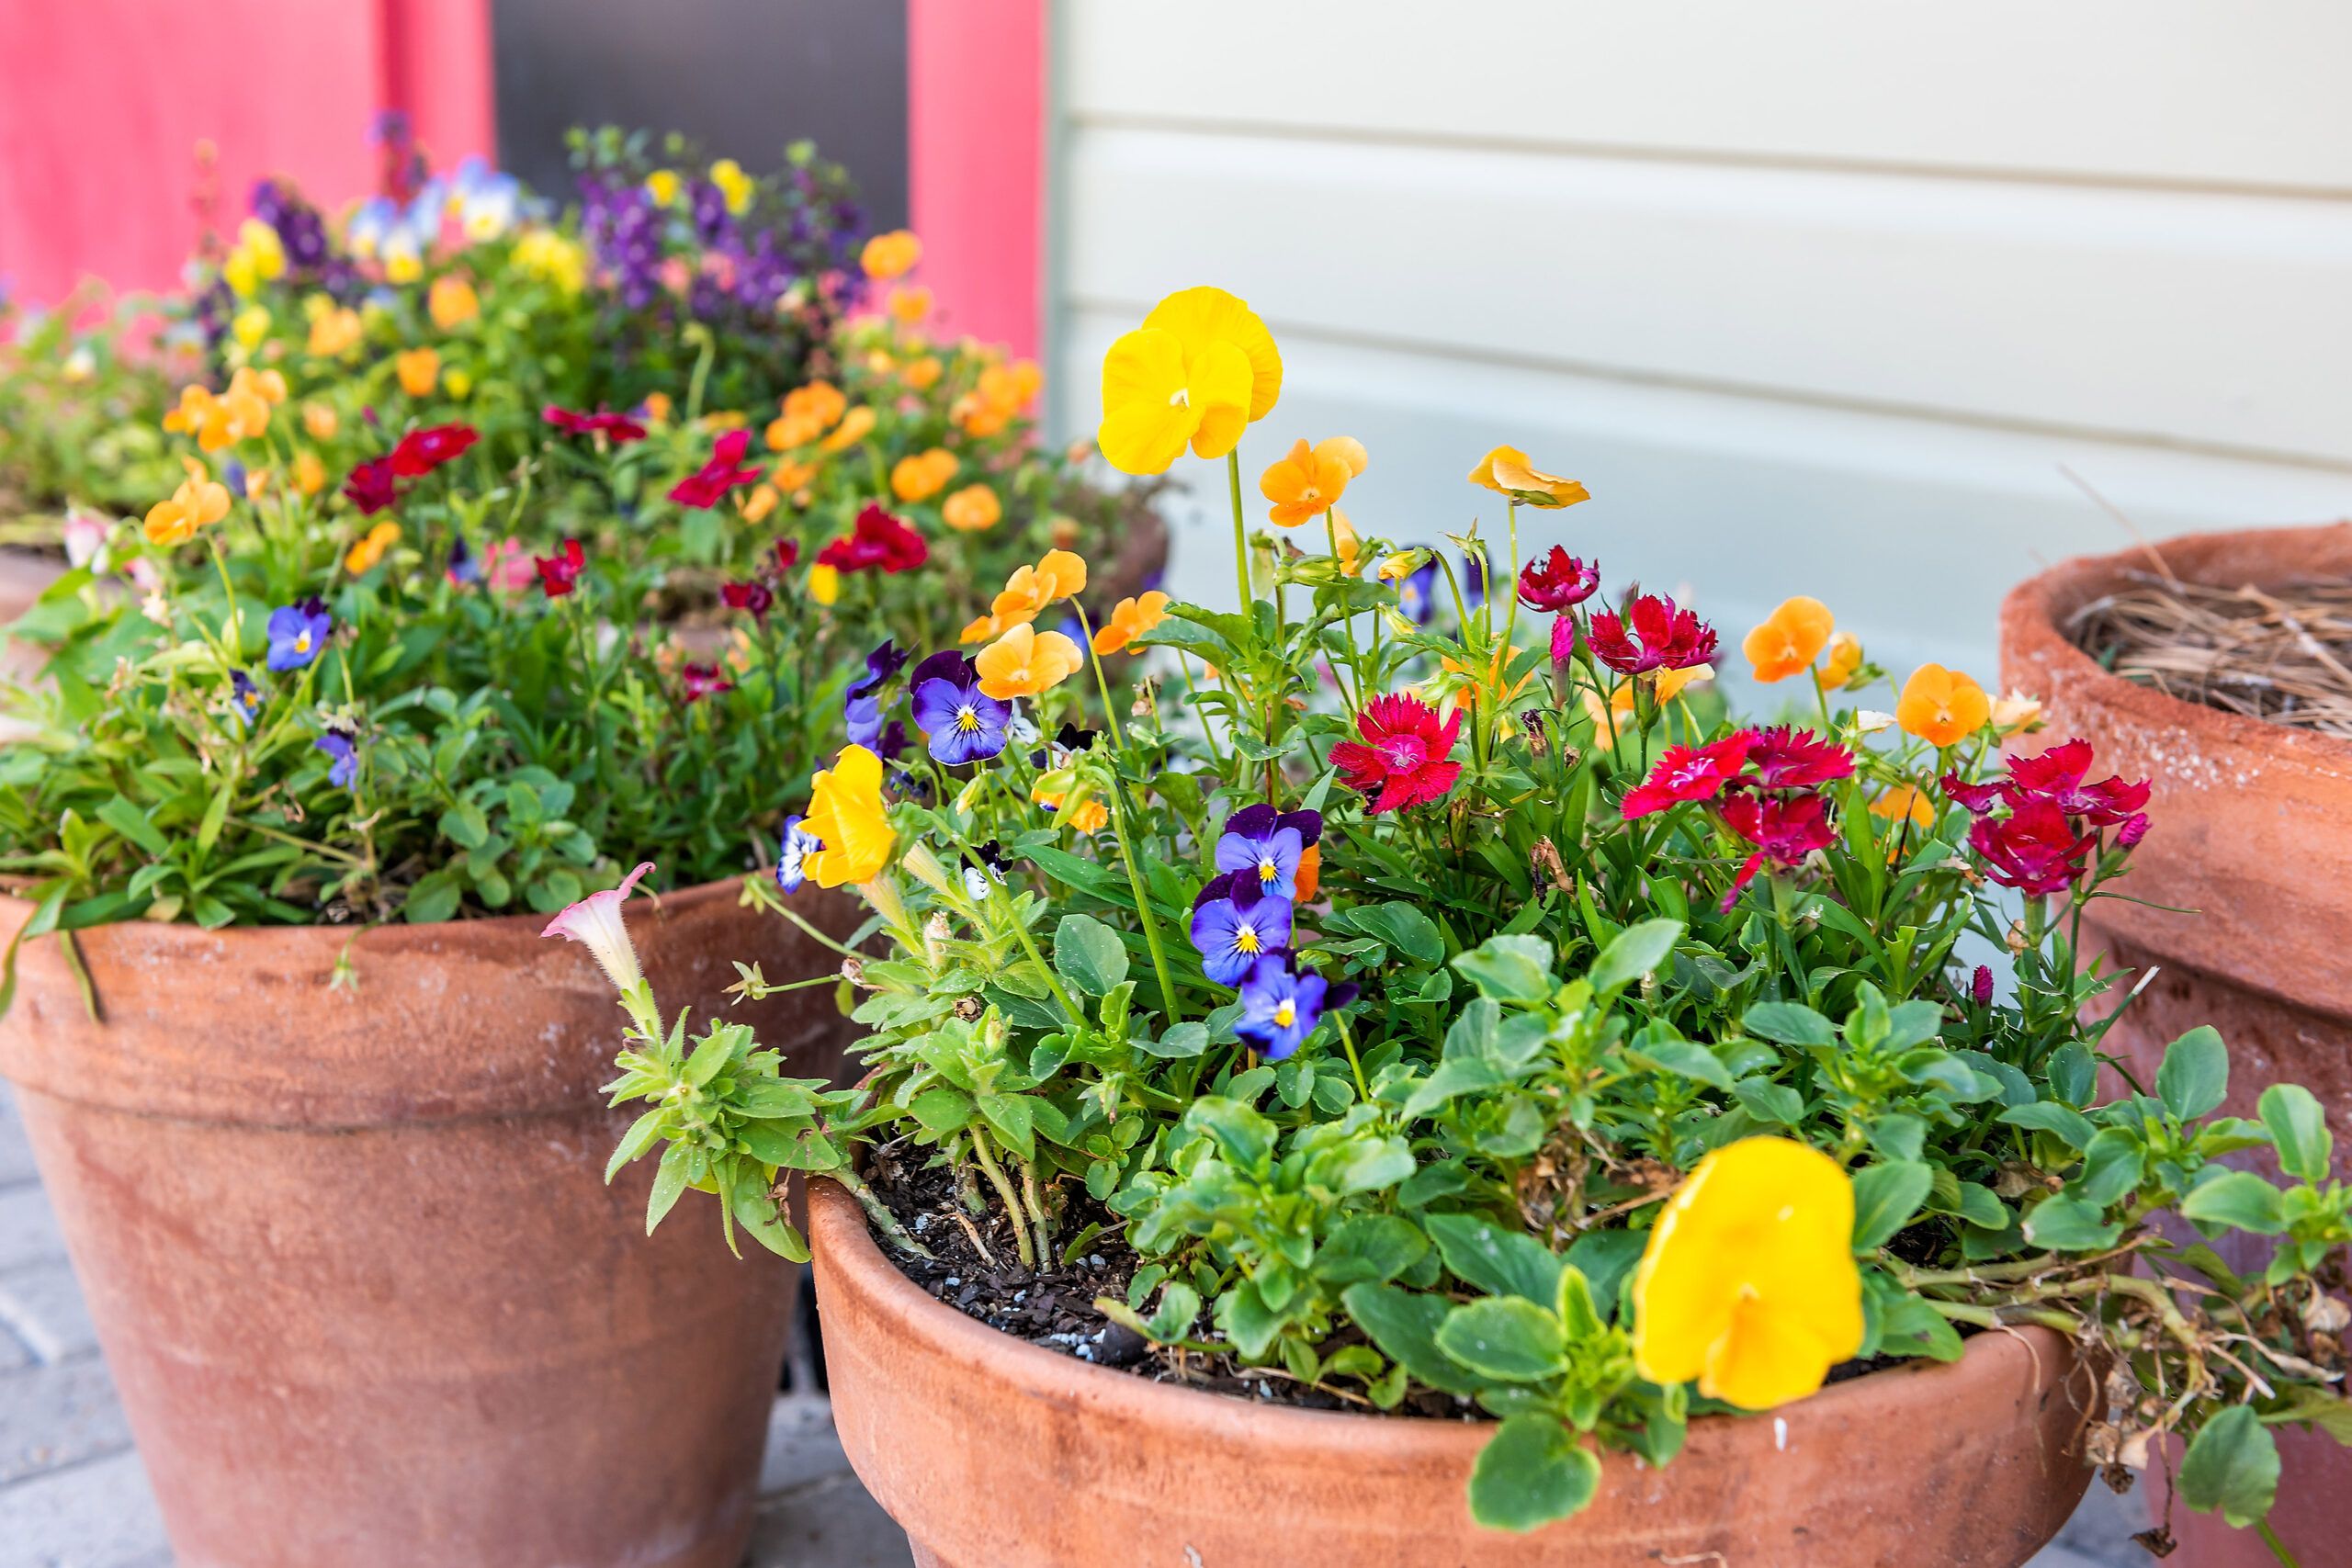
(1234, 925)
(797, 845)
(343, 748)
(862, 704)
(960, 722)
(1259, 842)
(1279, 1009)
(297, 633)
(244, 697)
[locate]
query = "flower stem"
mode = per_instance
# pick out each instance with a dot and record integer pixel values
(1013, 1211)
(1120, 804)
(1240, 530)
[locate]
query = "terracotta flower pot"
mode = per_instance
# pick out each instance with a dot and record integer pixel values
(2251, 828)
(995, 1453)
(350, 1252)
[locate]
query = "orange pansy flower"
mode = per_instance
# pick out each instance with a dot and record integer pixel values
(1023, 663)
(972, 510)
(1507, 471)
(890, 256)
(1789, 639)
(923, 475)
(1942, 706)
(1130, 618)
(418, 369)
(1309, 481)
(199, 501)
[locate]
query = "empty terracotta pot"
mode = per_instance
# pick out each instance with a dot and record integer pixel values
(995, 1453)
(2251, 829)
(350, 1252)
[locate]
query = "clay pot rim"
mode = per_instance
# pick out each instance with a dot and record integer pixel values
(176, 936)
(2034, 612)
(837, 1229)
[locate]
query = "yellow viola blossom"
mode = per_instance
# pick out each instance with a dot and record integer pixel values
(890, 256)
(1089, 816)
(370, 549)
(1343, 538)
(258, 257)
(972, 510)
(456, 383)
(545, 254)
(825, 583)
(846, 814)
(663, 185)
(1130, 618)
(198, 502)
(734, 185)
(1308, 480)
(1749, 1283)
(908, 303)
(1845, 657)
(451, 302)
(249, 325)
(1789, 639)
(1023, 663)
(1507, 471)
(923, 374)
(1941, 707)
(1198, 372)
(419, 370)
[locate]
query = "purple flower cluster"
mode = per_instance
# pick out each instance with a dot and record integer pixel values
(623, 228)
(1242, 928)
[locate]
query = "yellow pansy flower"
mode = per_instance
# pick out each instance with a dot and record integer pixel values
(663, 185)
(824, 583)
(890, 256)
(1749, 1283)
(733, 184)
(364, 554)
(1023, 664)
(1198, 371)
(249, 325)
(1844, 658)
(846, 814)
(1507, 471)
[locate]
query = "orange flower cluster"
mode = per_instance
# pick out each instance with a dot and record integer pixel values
(923, 475)
(1027, 593)
(998, 398)
(238, 414)
(1309, 481)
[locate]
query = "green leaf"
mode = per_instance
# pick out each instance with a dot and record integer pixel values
(1788, 1024)
(2111, 1167)
(1404, 1323)
(635, 1142)
(1182, 1042)
(1009, 1116)
(433, 900)
(1531, 1472)
(1500, 1262)
(2195, 1076)
(1406, 929)
(1374, 1248)
(1383, 1163)
(2074, 1073)
(1885, 1197)
(1089, 954)
(941, 1111)
(1505, 1338)
(669, 1182)
(2240, 1199)
(1770, 1103)
(1635, 952)
(1510, 968)
(1605, 1258)
(465, 825)
(2047, 1116)
(2066, 1224)
(2232, 1466)
(1909, 1327)
(133, 824)
(2299, 1127)
(1685, 1058)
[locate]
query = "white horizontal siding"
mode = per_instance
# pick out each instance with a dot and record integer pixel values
(2201, 92)
(2212, 319)
(1808, 314)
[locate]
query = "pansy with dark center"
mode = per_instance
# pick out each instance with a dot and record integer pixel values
(1260, 843)
(1234, 925)
(244, 697)
(1279, 1009)
(791, 850)
(297, 633)
(979, 879)
(960, 723)
(462, 567)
